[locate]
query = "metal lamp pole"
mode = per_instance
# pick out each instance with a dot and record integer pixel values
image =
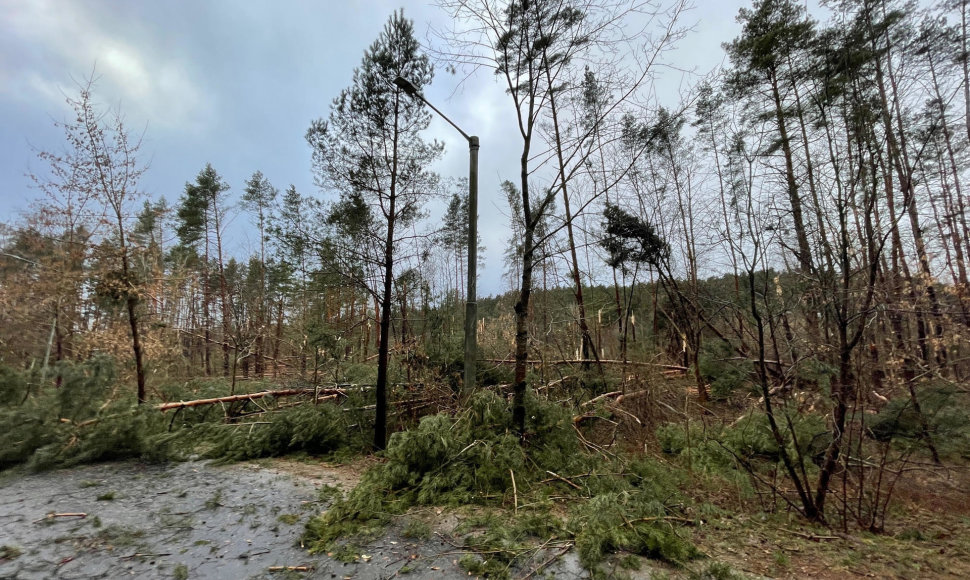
(471, 306)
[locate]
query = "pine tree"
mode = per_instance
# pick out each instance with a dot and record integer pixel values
(258, 197)
(200, 215)
(370, 151)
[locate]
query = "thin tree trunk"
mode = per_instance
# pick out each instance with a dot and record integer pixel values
(585, 337)
(804, 251)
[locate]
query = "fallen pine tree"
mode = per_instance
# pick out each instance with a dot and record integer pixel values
(248, 397)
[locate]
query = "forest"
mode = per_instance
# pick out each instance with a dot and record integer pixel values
(748, 306)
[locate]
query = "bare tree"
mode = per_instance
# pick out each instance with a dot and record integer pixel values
(531, 46)
(100, 163)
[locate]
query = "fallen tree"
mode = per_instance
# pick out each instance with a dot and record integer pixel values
(248, 397)
(591, 361)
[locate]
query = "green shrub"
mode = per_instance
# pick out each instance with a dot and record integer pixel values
(944, 412)
(89, 417)
(27, 428)
(716, 571)
(749, 438)
(71, 424)
(725, 375)
(358, 373)
(470, 459)
(817, 373)
(84, 387)
(122, 432)
(452, 460)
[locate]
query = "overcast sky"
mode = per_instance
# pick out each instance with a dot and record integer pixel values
(236, 84)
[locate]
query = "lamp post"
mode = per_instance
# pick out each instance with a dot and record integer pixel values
(471, 306)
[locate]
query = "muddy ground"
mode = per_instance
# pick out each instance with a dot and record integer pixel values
(193, 520)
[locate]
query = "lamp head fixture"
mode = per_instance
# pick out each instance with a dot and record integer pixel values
(406, 86)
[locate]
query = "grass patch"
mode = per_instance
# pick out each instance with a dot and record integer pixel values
(109, 496)
(944, 419)
(8, 552)
(214, 501)
(119, 536)
(181, 572)
(328, 492)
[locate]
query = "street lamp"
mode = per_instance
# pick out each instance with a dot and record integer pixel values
(471, 306)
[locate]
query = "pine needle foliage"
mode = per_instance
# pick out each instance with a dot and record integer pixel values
(718, 449)
(315, 429)
(470, 458)
(90, 417)
(632, 521)
(943, 418)
(497, 543)
(124, 432)
(13, 386)
(77, 422)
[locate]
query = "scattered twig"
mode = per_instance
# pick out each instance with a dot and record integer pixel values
(449, 542)
(84, 423)
(677, 411)
(812, 537)
(140, 555)
(665, 519)
(635, 395)
(515, 493)
(628, 363)
(564, 480)
(542, 566)
(553, 383)
(625, 412)
(290, 568)
(579, 418)
(592, 446)
(54, 515)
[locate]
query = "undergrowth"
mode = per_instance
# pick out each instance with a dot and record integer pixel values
(944, 419)
(719, 449)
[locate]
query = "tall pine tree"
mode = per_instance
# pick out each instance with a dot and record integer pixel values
(371, 152)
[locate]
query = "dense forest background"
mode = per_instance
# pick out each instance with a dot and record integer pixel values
(792, 237)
